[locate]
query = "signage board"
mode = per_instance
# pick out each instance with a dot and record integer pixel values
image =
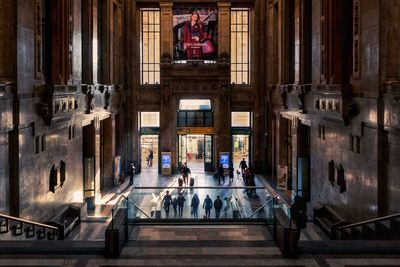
(89, 187)
(166, 163)
(195, 130)
(149, 130)
(224, 159)
(240, 130)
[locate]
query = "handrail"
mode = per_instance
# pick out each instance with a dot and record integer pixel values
(134, 204)
(369, 221)
(257, 210)
(200, 187)
(27, 221)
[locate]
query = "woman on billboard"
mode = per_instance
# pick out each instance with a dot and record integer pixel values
(192, 36)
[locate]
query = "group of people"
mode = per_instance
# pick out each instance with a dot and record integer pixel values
(179, 202)
(220, 175)
(248, 178)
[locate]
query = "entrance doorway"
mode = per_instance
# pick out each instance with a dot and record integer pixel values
(196, 151)
(149, 146)
(241, 149)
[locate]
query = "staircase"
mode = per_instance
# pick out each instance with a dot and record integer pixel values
(201, 245)
(14, 228)
(382, 228)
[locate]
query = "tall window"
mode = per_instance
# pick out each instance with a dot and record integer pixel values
(240, 46)
(150, 46)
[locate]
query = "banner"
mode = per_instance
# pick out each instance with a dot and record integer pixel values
(195, 33)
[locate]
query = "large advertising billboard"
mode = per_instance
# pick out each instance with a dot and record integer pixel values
(195, 33)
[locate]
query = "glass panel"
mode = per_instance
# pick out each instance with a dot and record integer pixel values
(191, 118)
(208, 120)
(195, 104)
(150, 119)
(241, 148)
(182, 150)
(239, 203)
(181, 119)
(240, 119)
(199, 119)
(208, 149)
(240, 46)
(150, 47)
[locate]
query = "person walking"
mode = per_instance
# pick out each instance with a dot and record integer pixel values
(231, 171)
(243, 166)
(221, 174)
(167, 202)
(207, 205)
(151, 155)
(217, 206)
(195, 205)
(185, 173)
(175, 206)
(180, 201)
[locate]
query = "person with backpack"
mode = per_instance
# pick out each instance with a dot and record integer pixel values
(217, 206)
(167, 202)
(181, 202)
(207, 205)
(195, 205)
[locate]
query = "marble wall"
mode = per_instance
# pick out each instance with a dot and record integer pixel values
(362, 112)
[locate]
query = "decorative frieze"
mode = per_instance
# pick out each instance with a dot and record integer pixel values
(57, 103)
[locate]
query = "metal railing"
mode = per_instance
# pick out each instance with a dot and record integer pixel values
(17, 226)
(340, 232)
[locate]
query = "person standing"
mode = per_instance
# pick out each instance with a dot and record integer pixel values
(131, 172)
(151, 155)
(231, 170)
(221, 174)
(195, 205)
(192, 35)
(207, 205)
(181, 202)
(167, 202)
(217, 206)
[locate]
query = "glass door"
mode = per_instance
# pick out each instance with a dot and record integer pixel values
(182, 150)
(208, 153)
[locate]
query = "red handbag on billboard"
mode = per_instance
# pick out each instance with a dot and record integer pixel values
(207, 47)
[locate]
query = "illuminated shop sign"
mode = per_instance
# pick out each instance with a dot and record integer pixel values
(195, 130)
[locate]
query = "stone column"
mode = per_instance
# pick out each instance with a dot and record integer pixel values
(7, 39)
(224, 18)
(166, 28)
(391, 36)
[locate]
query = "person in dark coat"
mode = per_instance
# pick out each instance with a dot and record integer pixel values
(221, 174)
(131, 172)
(175, 206)
(207, 205)
(167, 202)
(180, 201)
(218, 206)
(298, 212)
(185, 173)
(243, 165)
(231, 171)
(195, 205)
